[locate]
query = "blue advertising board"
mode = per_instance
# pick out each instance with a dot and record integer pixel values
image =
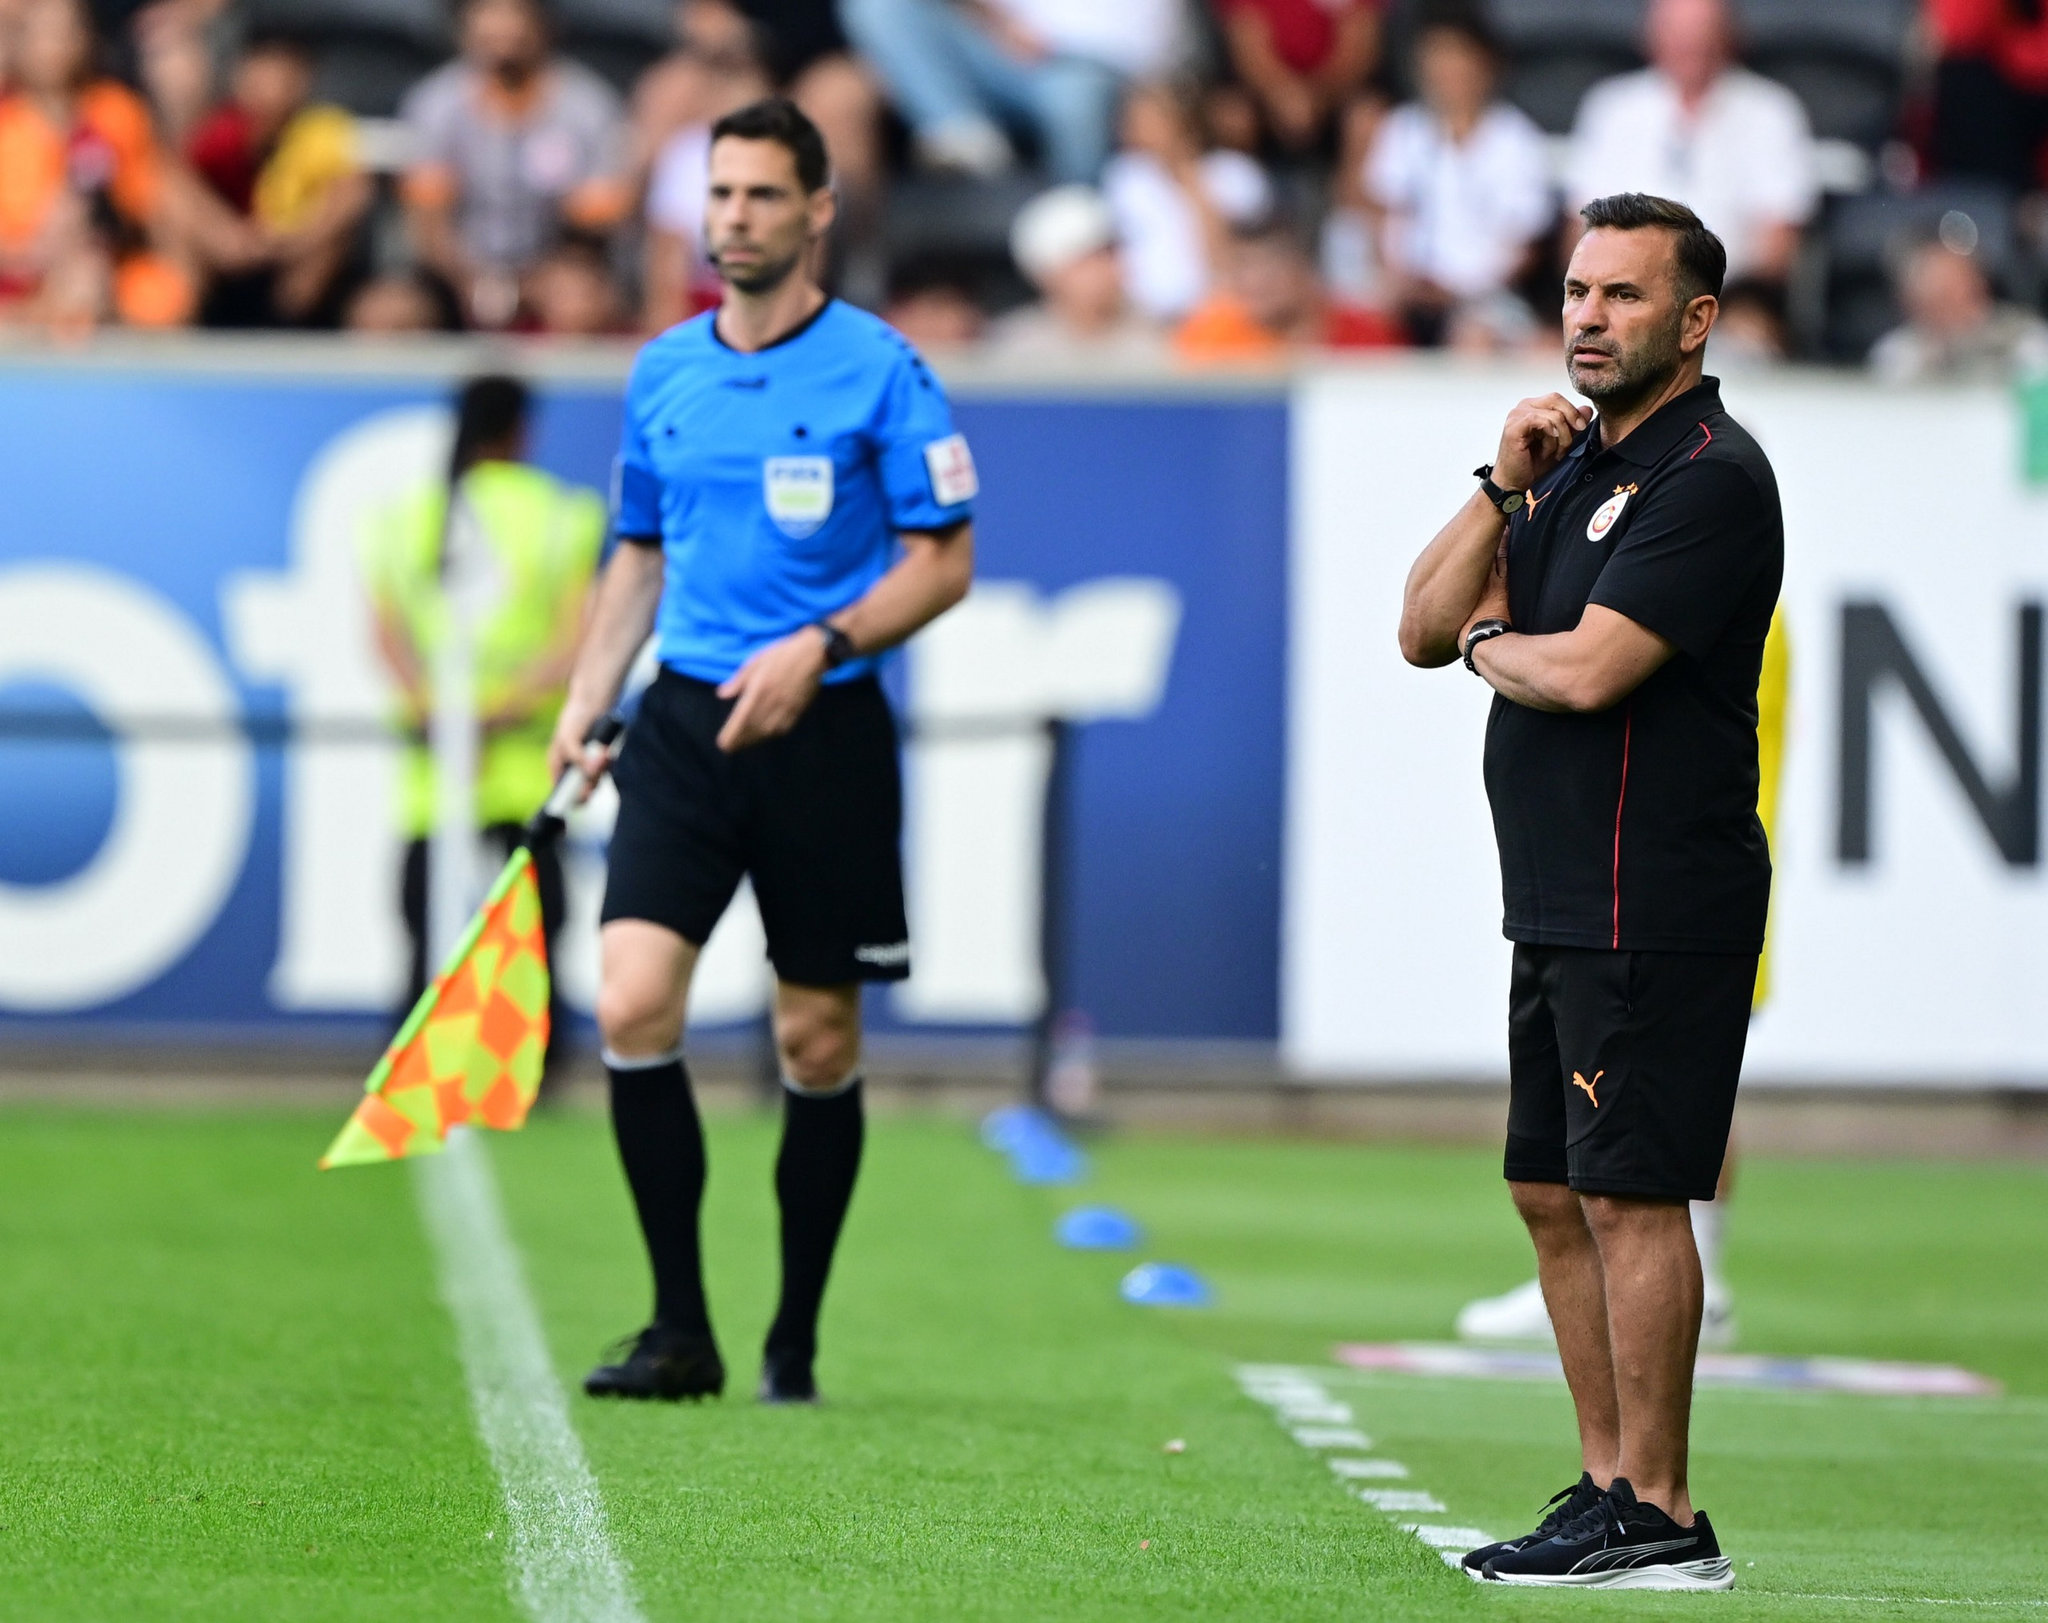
(176, 545)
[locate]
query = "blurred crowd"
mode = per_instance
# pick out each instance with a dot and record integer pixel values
(1200, 181)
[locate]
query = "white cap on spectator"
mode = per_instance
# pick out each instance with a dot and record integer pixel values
(1058, 227)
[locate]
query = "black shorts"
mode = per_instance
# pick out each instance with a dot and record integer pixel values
(1623, 1067)
(814, 817)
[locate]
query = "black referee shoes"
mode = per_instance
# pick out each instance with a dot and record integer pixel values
(660, 1363)
(1618, 1542)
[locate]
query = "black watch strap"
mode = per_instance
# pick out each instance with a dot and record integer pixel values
(838, 645)
(1484, 631)
(1509, 502)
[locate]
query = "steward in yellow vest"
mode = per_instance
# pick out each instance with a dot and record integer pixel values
(544, 538)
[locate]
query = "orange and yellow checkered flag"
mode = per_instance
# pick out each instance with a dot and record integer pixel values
(471, 1049)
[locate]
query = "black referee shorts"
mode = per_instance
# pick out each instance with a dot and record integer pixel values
(815, 817)
(1623, 1067)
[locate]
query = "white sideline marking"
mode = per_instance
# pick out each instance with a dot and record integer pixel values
(1439, 1537)
(1412, 1500)
(1355, 1470)
(1892, 1600)
(1331, 1437)
(1294, 1395)
(564, 1567)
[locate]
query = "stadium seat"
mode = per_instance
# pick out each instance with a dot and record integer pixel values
(1549, 85)
(1862, 238)
(1845, 60)
(619, 38)
(1557, 50)
(369, 52)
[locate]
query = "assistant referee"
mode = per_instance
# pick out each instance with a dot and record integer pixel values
(1613, 579)
(792, 500)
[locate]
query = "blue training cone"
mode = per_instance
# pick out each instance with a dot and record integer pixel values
(1164, 1284)
(1097, 1228)
(1039, 1152)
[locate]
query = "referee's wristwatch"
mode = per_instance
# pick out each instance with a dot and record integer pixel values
(1509, 502)
(1483, 631)
(838, 645)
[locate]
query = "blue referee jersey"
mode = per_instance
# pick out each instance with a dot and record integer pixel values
(775, 483)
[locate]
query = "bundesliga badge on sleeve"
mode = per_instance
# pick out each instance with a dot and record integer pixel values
(1610, 511)
(798, 490)
(951, 466)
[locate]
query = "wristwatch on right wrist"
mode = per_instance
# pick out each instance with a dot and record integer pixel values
(1508, 502)
(1483, 631)
(838, 645)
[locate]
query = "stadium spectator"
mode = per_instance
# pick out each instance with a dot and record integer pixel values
(1457, 182)
(1175, 203)
(175, 45)
(513, 143)
(291, 169)
(1696, 128)
(1272, 303)
(931, 306)
(1499, 324)
(1348, 250)
(809, 57)
(1990, 102)
(95, 218)
(542, 538)
(1955, 330)
(1064, 240)
(717, 69)
(1300, 60)
(1751, 333)
(573, 294)
(966, 73)
(402, 302)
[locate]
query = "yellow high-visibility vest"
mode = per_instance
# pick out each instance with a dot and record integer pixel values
(545, 537)
(1773, 698)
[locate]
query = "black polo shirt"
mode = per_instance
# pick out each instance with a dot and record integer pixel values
(1636, 828)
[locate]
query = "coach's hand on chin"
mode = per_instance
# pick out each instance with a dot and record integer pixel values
(774, 689)
(1535, 438)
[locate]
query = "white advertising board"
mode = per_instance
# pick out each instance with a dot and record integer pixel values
(1910, 914)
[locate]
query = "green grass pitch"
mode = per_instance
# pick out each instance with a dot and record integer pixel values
(228, 1389)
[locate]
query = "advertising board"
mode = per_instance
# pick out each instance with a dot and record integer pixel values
(196, 828)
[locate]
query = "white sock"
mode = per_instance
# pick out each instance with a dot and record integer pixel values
(1707, 1221)
(850, 1080)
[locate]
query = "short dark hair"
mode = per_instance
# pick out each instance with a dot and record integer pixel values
(778, 119)
(1458, 17)
(278, 40)
(1702, 260)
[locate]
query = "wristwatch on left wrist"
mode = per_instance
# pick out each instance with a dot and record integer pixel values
(1482, 631)
(1509, 502)
(838, 645)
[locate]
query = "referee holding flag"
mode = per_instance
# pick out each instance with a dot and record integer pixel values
(1612, 580)
(792, 500)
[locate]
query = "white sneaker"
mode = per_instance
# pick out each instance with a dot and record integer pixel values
(1518, 1316)
(1717, 1317)
(966, 146)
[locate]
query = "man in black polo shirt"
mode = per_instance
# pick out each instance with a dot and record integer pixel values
(1612, 579)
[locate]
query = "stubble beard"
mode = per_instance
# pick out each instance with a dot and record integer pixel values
(1637, 374)
(765, 277)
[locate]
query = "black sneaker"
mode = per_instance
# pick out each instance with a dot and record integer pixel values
(1566, 1505)
(786, 1378)
(1620, 1543)
(660, 1363)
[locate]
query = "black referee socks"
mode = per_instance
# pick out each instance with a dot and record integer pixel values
(822, 1135)
(661, 1144)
